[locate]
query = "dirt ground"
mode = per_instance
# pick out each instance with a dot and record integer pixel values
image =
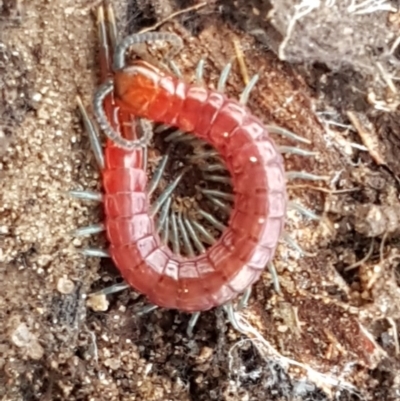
(333, 331)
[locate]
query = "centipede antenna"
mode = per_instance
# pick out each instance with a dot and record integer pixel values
(192, 323)
(296, 151)
(125, 44)
(91, 130)
(217, 194)
(163, 215)
(175, 234)
(228, 308)
(218, 178)
(303, 210)
(273, 129)
(219, 204)
(291, 242)
(185, 237)
(207, 237)
(212, 220)
(89, 230)
(224, 77)
(244, 301)
(275, 277)
(155, 180)
(174, 135)
(111, 290)
(200, 72)
(210, 168)
(146, 309)
(244, 97)
(96, 252)
(165, 194)
(86, 195)
(175, 69)
(303, 175)
(192, 233)
(102, 92)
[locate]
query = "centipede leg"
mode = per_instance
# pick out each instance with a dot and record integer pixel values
(173, 135)
(192, 323)
(296, 151)
(91, 130)
(244, 97)
(222, 205)
(212, 220)
(200, 72)
(273, 129)
(245, 299)
(163, 219)
(303, 175)
(291, 242)
(174, 68)
(202, 155)
(192, 233)
(174, 234)
(275, 277)
(218, 178)
(200, 230)
(111, 289)
(185, 237)
(224, 77)
(303, 210)
(181, 136)
(95, 252)
(87, 195)
(155, 180)
(111, 26)
(104, 72)
(88, 230)
(213, 167)
(218, 194)
(165, 229)
(166, 194)
(228, 308)
(146, 309)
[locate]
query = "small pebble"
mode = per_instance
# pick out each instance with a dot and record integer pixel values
(98, 303)
(65, 285)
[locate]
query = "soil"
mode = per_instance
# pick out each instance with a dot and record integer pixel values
(332, 332)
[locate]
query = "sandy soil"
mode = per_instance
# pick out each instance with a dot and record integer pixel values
(331, 334)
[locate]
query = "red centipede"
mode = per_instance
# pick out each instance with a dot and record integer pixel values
(256, 167)
(236, 260)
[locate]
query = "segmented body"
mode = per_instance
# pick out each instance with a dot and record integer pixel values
(256, 167)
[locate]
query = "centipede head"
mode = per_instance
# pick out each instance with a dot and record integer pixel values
(136, 86)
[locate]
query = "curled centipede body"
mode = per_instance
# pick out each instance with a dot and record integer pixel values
(217, 275)
(239, 256)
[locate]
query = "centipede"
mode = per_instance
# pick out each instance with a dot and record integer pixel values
(137, 101)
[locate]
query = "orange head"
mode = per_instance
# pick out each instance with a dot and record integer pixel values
(136, 86)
